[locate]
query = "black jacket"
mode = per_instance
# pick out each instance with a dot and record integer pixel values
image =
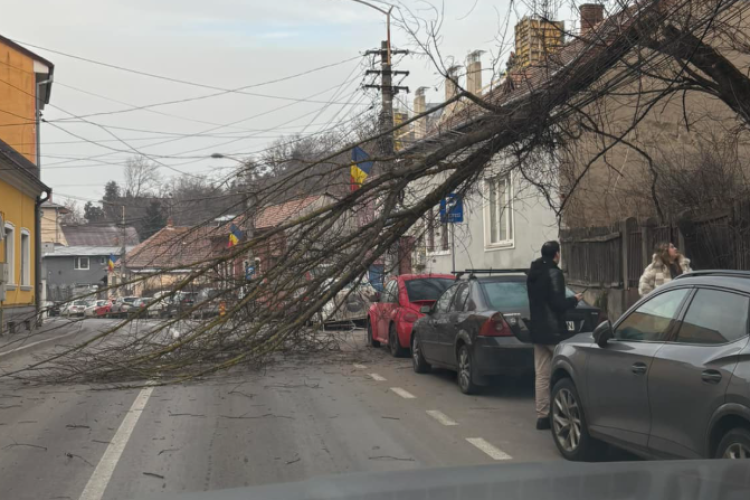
(547, 302)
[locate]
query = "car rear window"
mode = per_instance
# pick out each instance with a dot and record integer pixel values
(80, 303)
(427, 288)
(129, 299)
(510, 295)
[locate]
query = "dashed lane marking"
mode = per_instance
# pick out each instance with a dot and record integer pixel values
(441, 417)
(359, 367)
(494, 453)
(404, 394)
(377, 377)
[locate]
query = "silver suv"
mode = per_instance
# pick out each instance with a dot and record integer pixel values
(669, 379)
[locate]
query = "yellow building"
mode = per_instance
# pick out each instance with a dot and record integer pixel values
(537, 39)
(25, 85)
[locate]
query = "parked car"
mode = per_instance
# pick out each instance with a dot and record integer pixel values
(208, 301)
(75, 308)
(90, 310)
(122, 306)
(350, 304)
(181, 303)
(104, 309)
(391, 318)
(50, 309)
(669, 379)
(479, 328)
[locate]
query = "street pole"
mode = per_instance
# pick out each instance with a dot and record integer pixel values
(453, 247)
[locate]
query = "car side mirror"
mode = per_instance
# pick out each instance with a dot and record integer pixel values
(603, 333)
(425, 309)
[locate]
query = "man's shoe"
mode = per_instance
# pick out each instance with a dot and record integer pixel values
(542, 424)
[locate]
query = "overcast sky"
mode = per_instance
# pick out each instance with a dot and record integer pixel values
(220, 43)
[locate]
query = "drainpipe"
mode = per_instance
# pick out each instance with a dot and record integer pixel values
(38, 255)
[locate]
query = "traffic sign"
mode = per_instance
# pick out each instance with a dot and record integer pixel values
(249, 272)
(452, 209)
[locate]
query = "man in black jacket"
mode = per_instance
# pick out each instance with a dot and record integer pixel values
(547, 304)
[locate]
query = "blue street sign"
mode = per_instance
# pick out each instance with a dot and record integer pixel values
(452, 209)
(249, 272)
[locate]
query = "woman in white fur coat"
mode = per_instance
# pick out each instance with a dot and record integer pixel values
(668, 263)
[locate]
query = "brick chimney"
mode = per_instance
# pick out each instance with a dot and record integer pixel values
(474, 72)
(450, 88)
(591, 15)
(420, 106)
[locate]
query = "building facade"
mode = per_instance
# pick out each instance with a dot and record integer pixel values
(26, 80)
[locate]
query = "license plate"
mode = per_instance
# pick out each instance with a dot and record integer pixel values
(571, 326)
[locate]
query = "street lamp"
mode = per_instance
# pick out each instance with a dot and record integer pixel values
(388, 22)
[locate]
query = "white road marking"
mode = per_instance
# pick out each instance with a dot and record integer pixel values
(494, 453)
(404, 394)
(5, 353)
(377, 377)
(441, 417)
(103, 473)
(359, 367)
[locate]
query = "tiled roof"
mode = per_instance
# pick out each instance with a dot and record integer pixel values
(173, 247)
(99, 235)
(277, 214)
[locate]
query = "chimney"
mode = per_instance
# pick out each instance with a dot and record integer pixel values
(170, 222)
(450, 88)
(420, 106)
(474, 72)
(591, 15)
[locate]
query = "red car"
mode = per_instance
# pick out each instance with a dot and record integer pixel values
(103, 310)
(390, 319)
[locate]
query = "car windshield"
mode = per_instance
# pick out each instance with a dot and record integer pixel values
(129, 299)
(427, 289)
(80, 303)
(510, 295)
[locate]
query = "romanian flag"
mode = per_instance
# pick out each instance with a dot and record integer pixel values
(111, 262)
(361, 167)
(234, 236)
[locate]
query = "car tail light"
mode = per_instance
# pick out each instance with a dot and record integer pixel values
(495, 327)
(410, 317)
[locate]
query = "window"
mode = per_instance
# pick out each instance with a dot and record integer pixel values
(10, 252)
(437, 233)
(714, 317)
(82, 263)
(444, 301)
(461, 294)
(25, 258)
(427, 289)
(391, 293)
(499, 211)
(650, 322)
(102, 260)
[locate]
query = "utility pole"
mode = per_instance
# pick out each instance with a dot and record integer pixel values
(387, 91)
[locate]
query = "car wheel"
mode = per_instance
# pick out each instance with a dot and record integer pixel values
(394, 345)
(466, 377)
(735, 444)
(418, 362)
(569, 427)
(370, 339)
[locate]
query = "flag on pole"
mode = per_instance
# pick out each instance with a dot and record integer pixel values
(234, 236)
(111, 262)
(361, 167)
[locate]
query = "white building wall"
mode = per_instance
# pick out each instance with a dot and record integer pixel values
(533, 223)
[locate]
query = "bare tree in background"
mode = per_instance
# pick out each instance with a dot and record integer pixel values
(551, 123)
(141, 178)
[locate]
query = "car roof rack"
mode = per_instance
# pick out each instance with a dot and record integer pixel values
(716, 272)
(473, 272)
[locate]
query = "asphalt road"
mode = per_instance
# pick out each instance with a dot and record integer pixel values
(351, 411)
